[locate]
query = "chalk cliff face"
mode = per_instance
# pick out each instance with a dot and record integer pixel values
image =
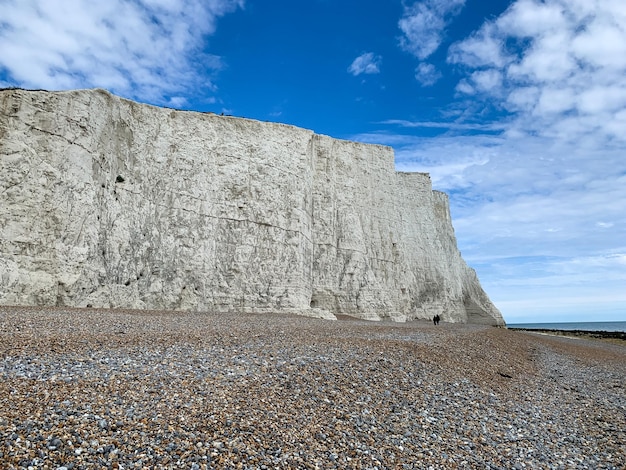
(107, 202)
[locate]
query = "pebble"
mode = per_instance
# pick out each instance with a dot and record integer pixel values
(201, 390)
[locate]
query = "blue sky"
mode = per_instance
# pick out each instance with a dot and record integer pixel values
(517, 108)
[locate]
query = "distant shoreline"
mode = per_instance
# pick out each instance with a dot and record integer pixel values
(610, 335)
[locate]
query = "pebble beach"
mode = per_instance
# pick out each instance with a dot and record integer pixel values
(121, 389)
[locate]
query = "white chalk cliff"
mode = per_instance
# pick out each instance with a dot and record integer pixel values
(105, 202)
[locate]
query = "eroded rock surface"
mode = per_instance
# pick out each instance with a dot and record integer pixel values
(105, 202)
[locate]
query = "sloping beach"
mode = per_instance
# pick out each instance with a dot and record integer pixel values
(146, 389)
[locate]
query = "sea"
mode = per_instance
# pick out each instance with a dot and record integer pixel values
(570, 326)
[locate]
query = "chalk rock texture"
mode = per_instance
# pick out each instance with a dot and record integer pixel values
(105, 202)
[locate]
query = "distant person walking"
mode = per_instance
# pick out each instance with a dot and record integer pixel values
(436, 319)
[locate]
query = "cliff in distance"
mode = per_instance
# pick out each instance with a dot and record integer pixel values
(105, 202)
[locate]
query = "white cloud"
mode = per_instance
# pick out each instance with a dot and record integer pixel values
(558, 64)
(600, 99)
(531, 18)
(423, 25)
(146, 49)
(368, 63)
(487, 127)
(465, 87)
(484, 48)
(544, 62)
(601, 44)
(427, 74)
(552, 100)
(488, 81)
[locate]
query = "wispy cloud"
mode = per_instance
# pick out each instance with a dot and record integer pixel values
(147, 49)
(427, 74)
(423, 25)
(482, 126)
(368, 63)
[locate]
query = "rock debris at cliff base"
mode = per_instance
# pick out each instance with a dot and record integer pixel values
(129, 389)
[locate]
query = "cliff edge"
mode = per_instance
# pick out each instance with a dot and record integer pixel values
(110, 203)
